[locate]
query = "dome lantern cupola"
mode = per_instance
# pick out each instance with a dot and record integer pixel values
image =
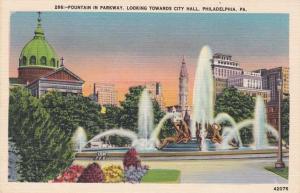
(39, 32)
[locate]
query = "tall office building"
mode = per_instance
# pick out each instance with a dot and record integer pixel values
(224, 67)
(250, 83)
(106, 93)
(155, 89)
(270, 81)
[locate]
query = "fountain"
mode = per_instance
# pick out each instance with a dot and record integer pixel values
(145, 121)
(203, 90)
(79, 139)
(207, 138)
(259, 125)
(147, 137)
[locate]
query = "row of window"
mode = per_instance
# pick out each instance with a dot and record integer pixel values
(264, 95)
(43, 61)
(227, 63)
(223, 57)
(253, 84)
(226, 72)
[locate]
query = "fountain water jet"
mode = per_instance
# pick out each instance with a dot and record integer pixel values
(145, 115)
(259, 124)
(156, 131)
(79, 139)
(223, 117)
(202, 111)
(120, 132)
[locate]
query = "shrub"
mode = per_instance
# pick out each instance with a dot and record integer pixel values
(71, 174)
(92, 174)
(135, 174)
(113, 173)
(131, 158)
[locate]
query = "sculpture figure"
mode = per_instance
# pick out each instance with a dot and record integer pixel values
(183, 134)
(198, 134)
(213, 133)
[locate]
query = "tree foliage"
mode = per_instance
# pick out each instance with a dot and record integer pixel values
(43, 149)
(167, 130)
(111, 117)
(69, 111)
(237, 105)
(41, 128)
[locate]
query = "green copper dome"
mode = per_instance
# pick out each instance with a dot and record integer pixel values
(38, 52)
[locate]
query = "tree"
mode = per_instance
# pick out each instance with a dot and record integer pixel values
(69, 111)
(285, 116)
(111, 120)
(111, 116)
(239, 106)
(43, 149)
(167, 130)
(129, 109)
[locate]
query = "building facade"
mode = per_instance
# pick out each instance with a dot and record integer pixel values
(106, 93)
(39, 68)
(183, 86)
(155, 89)
(223, 67)
(270, 81)
(265, 94)
(250, 83)
(61, 80)
(219, 85)
(246, 79)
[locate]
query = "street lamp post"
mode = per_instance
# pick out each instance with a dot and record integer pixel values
(279, 163)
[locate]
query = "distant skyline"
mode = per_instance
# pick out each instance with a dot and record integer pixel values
(131, 48)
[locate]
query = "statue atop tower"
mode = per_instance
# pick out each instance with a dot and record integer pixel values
(183, 86)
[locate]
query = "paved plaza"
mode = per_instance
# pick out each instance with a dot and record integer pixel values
(217, 171)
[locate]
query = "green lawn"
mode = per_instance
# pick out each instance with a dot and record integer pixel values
(161, 176)
(281, 172)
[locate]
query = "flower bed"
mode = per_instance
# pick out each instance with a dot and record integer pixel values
(113, 174)
(71, 174)
(92, 174)
(132, 171)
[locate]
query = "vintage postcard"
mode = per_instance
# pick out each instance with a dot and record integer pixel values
(149, 96)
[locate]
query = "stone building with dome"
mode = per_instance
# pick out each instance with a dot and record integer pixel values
(40, 69)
